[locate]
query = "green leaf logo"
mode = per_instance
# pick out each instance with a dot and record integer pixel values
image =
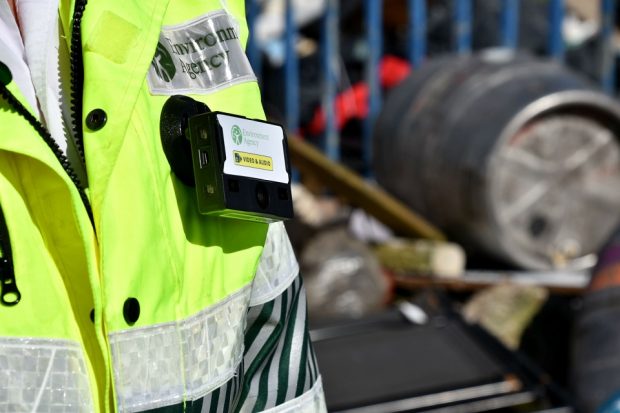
(237, 135)
(163, 64)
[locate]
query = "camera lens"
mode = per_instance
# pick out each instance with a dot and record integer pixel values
(262, 196)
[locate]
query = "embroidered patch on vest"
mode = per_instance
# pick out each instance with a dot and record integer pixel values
(199, 56)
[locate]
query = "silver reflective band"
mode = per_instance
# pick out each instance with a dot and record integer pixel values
(43, 375)
(199, 56)
(277, 267)
(312, 401)
(169, 363)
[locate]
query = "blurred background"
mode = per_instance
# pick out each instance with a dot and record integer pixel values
(457, 197)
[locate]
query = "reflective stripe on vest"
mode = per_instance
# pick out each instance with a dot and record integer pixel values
(39, 375)
(172, 362)
(277, 267)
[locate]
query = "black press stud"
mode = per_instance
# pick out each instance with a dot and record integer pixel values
(92, 315)
(131, 310)
(96, 119)
(5, 74)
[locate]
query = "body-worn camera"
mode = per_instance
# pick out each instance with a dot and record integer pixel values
(239, 166)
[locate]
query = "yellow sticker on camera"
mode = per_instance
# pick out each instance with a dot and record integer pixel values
(252, 160)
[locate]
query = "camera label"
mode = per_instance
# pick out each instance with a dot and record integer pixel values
(253, 149)
(252, 160)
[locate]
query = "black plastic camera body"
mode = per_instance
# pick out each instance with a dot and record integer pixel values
(241, 167)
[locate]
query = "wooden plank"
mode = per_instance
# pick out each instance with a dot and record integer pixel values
(474, 282)
(371, 198)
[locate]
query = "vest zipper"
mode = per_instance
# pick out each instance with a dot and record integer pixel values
(51, 143)
(77, 77)
(9, 293)
(77, 83)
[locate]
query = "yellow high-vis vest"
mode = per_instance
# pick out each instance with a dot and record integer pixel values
(143, 305)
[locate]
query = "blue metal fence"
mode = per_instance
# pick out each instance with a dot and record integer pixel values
(462, 43)
(556, 42)
(417, 31)
(329, 56)
(608, 65)
(510, 26)
(374, 18)
(462, 25)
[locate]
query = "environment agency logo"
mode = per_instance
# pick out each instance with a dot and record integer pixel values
(237, 135)
(163, 63)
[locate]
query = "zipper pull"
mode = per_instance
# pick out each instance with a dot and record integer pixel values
(9, 293)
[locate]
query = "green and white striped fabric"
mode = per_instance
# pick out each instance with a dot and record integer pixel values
(279, 372)
(279, 365)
